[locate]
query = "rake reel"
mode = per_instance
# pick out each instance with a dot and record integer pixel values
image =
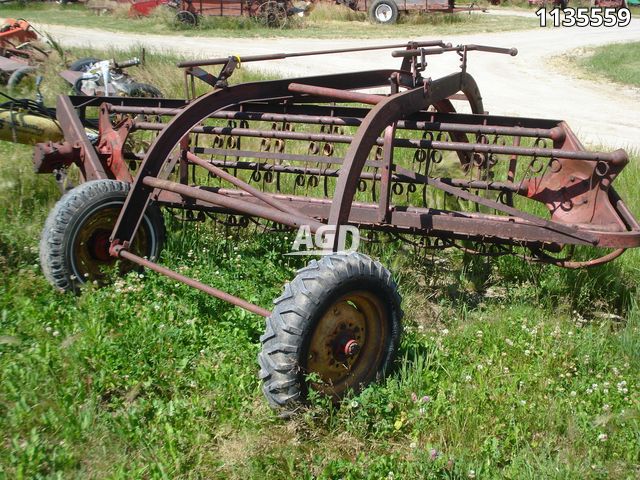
(381, 150)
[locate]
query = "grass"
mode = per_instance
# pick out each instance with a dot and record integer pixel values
(619, 63)
(506, 370)
(325, 22)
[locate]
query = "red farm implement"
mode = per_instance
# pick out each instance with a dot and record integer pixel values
(379, 150)
(18, 53)
(387, 11)
(272, 13)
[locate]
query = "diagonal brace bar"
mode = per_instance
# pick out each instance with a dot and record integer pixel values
(265, 197)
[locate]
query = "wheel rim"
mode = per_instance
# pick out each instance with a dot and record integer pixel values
(186, 17)
(348, 343)
(90, 246)
(383, 13)
(273, 15)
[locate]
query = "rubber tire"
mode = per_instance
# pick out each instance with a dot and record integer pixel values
(18, 76)
(297, 311)
(69, 214)
(144, 90)
(81, 64)
(391, 4)
(186, 17)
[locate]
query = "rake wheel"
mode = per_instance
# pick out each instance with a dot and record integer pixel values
(74, 246)
(336, 328)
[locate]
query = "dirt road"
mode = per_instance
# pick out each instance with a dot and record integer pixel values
(526, 85)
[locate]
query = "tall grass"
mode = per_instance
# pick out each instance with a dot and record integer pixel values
(619, 63)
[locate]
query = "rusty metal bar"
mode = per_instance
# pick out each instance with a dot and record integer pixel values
(441, 223)
(541, 222)
(336, 94)
(265, 197)
(214, 292)
(74, 134)
(386, 175)
(614, 157)
(406, 177)
(460, 48)
(239, 206)
(552, 133)
(281, 56)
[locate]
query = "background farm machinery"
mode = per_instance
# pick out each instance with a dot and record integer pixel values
(387, 11)
(325, 152)
(20, 51)
(271, 13)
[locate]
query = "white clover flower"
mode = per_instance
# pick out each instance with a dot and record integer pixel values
(603, 437)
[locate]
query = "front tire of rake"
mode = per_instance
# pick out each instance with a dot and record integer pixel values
(74, 246)
(336, 328)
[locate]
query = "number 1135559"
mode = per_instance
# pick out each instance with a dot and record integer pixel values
(585, 17)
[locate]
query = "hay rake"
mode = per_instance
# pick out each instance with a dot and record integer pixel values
(382, 150)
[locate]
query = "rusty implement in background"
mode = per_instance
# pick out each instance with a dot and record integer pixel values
(381, 150)
(17, 49)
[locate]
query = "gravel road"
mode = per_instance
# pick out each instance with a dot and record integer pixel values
(526, 85)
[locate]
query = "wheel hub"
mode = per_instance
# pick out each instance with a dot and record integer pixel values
(383, 13)
(91, 244)
(348, 343)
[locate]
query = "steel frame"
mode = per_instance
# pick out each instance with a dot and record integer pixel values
(558, 172)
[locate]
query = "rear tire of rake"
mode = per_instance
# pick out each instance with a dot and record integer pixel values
(330, 305)
(74, 245)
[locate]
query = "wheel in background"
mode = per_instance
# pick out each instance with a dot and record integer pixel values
(384, 11)
(83, 64)
(187, 18)
(339, 321)
(20, 79)
(272, 14)
(74, 246)
(144, 90)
